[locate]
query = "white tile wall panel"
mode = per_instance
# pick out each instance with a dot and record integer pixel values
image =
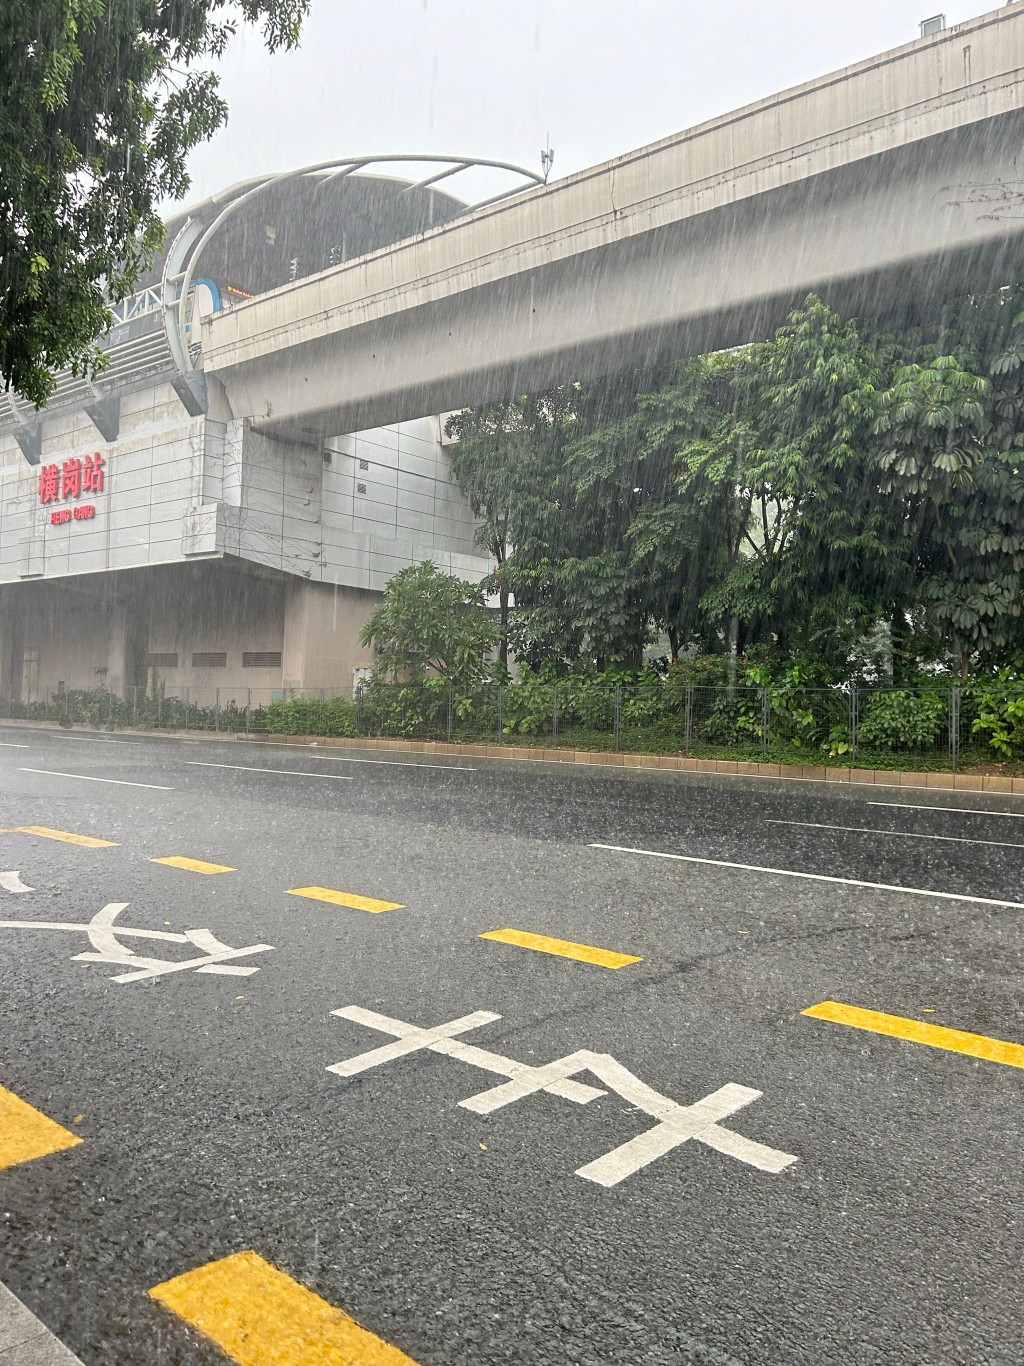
(378, 476)
(374, 518)
(421, 522)
(386, 437)
(422, 503)
(413, 463)
(277, 505)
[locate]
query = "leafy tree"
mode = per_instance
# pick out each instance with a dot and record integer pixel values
(810, 536)
(951, 432)
(431, 626)
(507, 461)
(98, 111)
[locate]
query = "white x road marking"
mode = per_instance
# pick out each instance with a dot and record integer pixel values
(677, 1124)
(103, 936)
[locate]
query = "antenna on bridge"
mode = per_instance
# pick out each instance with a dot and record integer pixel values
(547, 158)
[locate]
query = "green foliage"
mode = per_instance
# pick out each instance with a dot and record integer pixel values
(904, 718)
(311, 716)
(999, 707)
(431, 629)
(101, 102)
(951, 432)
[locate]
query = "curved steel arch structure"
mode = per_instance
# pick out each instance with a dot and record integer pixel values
(185, 252)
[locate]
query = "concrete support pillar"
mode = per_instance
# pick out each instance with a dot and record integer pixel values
(12, 645)
(321, 635)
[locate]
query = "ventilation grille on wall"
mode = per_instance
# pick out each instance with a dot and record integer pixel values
(933, 25)
(261, 659)
(209, 660)
(161, 661)
(360, 488)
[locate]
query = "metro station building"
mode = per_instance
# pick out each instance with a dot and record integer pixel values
(146, 532)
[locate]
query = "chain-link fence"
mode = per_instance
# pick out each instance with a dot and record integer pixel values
(937, 727)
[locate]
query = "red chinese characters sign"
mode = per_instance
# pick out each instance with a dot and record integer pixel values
(58, 483)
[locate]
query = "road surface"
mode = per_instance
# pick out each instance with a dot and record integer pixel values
(235, 1068)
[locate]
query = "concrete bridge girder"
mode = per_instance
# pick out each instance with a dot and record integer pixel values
(934, 219)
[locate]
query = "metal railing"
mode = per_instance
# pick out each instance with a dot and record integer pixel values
(911, 728)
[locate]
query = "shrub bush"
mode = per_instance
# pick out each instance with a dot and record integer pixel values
(904, 719)
(334, 716)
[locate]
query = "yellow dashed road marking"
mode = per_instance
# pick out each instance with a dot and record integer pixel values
(26, 1133)
(916, 1031)
(336, 898)
(194, 865)
(564, 948)
(261, 1317)
(45, 833)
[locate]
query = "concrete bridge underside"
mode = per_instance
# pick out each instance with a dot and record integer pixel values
(891, 184)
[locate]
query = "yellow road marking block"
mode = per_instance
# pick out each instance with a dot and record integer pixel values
(935, 1036)
(564, 948)
(65, 836)
(261, 1317)
(194, 865)
(26, 1133)
(336, 898)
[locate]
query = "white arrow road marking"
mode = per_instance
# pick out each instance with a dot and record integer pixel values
(11, 882)
(677, 1124)
(104, 935)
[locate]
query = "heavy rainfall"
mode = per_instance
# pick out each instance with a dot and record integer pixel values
(530, 499)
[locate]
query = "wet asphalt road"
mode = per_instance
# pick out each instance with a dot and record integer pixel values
(210, 1123)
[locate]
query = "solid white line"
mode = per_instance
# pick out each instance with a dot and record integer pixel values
(898, 834)
(959, 810)
(289, 772)
(85, 777)
(387, 763)
(7, 744)
(814, 877)
(11, 882)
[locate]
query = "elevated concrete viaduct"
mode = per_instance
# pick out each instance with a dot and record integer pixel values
(898, 177)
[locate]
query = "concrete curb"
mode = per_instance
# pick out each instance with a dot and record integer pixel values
(24, 1341)
(808, 773)
(949, 782)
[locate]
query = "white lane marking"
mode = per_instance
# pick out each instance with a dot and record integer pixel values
(410, 1039)
(897, 834)
(815, 877)
(958, 810)
(89, 739)
(11, 882)
(9, 744)
(86, 778)
(677, 1124)
(386, 763)
(104, 935)
(288, 772)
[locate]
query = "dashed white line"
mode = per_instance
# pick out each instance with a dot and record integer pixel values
(958, 810)
(389, 763)
(8, 744)
(897, 834)
(90, 739)
(815, 877)
(87, 778)
(288, 772)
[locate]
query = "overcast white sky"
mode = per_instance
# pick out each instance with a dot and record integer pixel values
(492, 78)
